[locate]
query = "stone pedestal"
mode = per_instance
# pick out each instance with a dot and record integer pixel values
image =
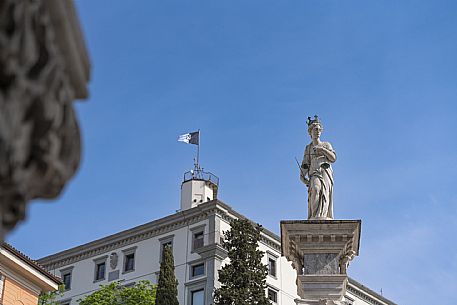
(320, 251)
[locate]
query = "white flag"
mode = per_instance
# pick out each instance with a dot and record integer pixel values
(190, 138)
(184, 138)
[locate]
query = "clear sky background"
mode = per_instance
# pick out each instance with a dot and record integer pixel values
(382, 75)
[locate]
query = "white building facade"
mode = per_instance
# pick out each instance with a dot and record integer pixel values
(195, 234)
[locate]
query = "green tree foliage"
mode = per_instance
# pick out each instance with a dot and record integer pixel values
(243, 280)
(49, 298)
(142, 293)
(167, 288)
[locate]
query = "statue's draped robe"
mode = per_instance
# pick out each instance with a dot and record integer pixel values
(318, 167)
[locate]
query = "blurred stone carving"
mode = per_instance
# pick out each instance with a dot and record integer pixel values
(44, 66)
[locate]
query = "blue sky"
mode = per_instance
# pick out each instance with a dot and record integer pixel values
(382, 75)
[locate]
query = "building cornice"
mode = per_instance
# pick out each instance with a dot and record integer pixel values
(367, 294)
(268, 238)
(154, 228)
(146, 231)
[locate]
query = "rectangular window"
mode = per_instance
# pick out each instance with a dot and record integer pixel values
(198, 270)
(65, 275)
(100, 271)
(165, 245)
(165, 242)
(272, 295)
(198, 297)
(129, 262)
(67, 281)
(272, 266)
(100, 268)
(129, 259)
(197, 240)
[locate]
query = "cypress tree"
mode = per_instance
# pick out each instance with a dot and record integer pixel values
(243, 280)
(167, 287)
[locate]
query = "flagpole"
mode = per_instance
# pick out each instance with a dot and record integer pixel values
(198, 150)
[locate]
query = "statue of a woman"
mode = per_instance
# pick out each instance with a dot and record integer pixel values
(316, 172)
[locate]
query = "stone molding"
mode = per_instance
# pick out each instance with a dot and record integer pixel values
(341, 237)
(367, 294)
(320, 251)
(332, 287)
(41, 51)
(119, 240)
(149, 230)
(212, 250)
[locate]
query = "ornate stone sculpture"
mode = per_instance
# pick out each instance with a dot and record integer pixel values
(113, 258)
(320, 252)
(317, 174)
(320, 248)
(43, 67)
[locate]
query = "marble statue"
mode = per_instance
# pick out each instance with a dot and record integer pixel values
(317, 174)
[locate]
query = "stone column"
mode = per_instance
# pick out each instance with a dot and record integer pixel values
(320, 251)
(44, 67)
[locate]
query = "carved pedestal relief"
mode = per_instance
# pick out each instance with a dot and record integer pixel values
(324, 249)
(320, 263)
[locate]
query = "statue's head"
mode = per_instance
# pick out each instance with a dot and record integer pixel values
(314, 127)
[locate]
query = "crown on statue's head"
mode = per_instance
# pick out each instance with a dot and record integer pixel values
(311, 121)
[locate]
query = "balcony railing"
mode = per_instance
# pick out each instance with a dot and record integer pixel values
(199, 174)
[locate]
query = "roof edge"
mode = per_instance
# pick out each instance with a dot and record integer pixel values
(144, 231)
(31, 263)
(370, 292)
